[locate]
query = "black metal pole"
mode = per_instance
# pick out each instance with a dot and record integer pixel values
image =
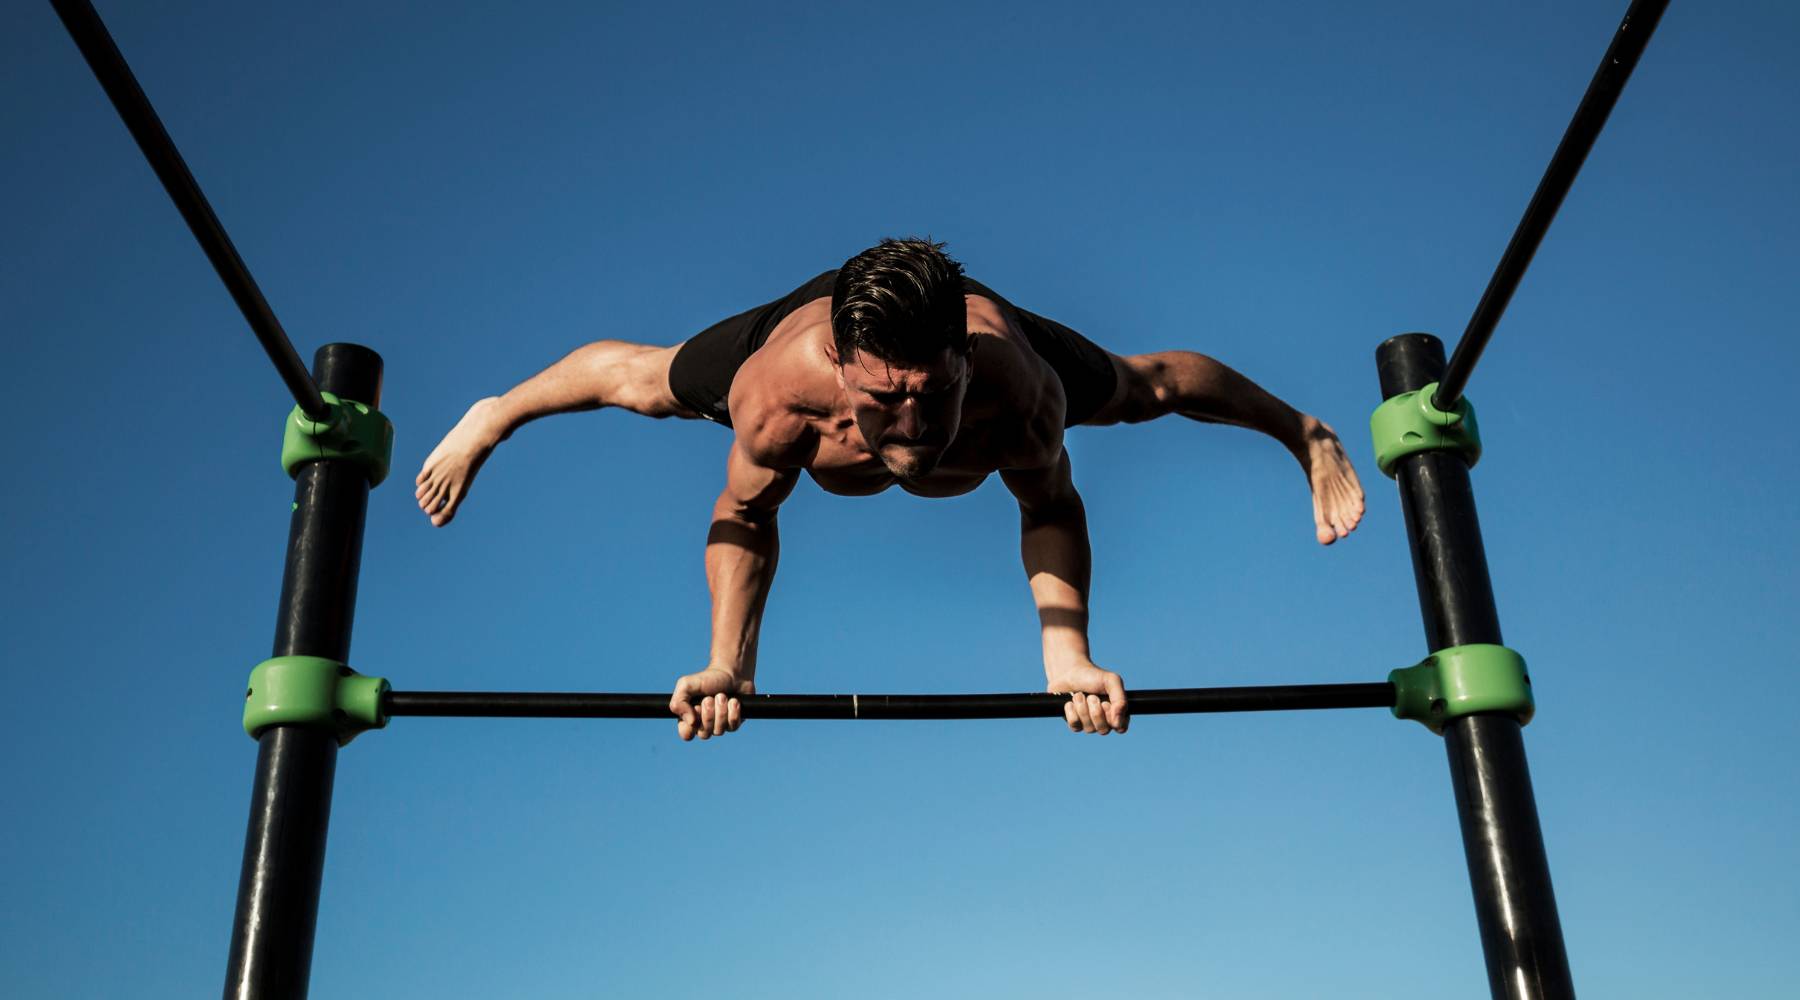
(1590, 117)
(1167, 701)
(1515, 904)
(96, 45)
(290, 809)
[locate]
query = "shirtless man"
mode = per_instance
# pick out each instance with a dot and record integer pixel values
(895, 369)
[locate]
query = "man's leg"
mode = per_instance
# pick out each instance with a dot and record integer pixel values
(634, 377)
(1200, 388)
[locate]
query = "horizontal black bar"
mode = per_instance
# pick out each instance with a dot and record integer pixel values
(1590, 117)
(115, 77)
(1164, 701)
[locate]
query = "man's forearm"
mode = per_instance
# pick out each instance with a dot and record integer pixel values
(741, 554)
(1058, 563)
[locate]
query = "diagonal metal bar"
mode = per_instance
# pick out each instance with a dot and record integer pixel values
(103, 57)
(1590, 117)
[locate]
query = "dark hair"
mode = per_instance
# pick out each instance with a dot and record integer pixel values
(900, 301)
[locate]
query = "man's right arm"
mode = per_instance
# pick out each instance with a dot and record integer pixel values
(742, 548)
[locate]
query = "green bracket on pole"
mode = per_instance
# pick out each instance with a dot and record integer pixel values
(1463, 680)
(1408, 424)
(354, 432)
(313, 691)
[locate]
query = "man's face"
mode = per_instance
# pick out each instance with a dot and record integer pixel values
(907, 413)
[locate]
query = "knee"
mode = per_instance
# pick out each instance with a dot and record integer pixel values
(1146, 391)
(638, 379)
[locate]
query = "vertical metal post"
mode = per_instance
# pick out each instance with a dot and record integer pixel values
(1515, 906)
(290, 809)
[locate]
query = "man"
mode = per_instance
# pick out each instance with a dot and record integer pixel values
(895, 369)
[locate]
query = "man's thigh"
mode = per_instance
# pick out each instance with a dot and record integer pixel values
(646, 387)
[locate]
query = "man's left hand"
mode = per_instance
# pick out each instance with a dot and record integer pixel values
(1086, 712)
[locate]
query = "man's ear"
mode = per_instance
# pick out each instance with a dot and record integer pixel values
(837, 364)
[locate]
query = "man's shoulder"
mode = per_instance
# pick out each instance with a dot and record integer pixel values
(773, 406)
(776, 437)
(1015, 376)
(987, 313)
(1020, 404)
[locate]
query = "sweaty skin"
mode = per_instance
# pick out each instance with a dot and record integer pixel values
(860, 425)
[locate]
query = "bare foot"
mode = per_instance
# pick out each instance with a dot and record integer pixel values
(1336, 493)
(444, 480)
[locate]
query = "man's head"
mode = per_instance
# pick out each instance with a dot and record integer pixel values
(900, 339)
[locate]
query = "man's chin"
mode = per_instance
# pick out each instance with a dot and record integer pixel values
(909, 464)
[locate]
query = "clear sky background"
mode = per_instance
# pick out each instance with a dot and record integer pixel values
(475, 189)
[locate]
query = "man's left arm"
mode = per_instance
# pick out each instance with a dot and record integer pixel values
(1054, 542)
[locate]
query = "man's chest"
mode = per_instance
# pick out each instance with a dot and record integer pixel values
(844, 464)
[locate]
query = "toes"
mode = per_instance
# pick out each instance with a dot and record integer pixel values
(431, 492)
(1332, 526)
(1338, 504)
(440, 504)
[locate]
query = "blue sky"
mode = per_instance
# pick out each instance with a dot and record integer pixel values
(474, 190)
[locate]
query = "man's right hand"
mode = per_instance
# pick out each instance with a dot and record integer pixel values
(706, 703)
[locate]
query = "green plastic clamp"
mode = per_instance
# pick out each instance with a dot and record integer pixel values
(313, 691)
(355, 432)
(1463, 680)
(1408, 424)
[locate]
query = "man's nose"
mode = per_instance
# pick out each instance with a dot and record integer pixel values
(908, 421)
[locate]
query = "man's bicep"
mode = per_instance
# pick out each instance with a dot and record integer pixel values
(754, 491)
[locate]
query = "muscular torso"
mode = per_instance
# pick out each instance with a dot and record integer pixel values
(789, 410)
